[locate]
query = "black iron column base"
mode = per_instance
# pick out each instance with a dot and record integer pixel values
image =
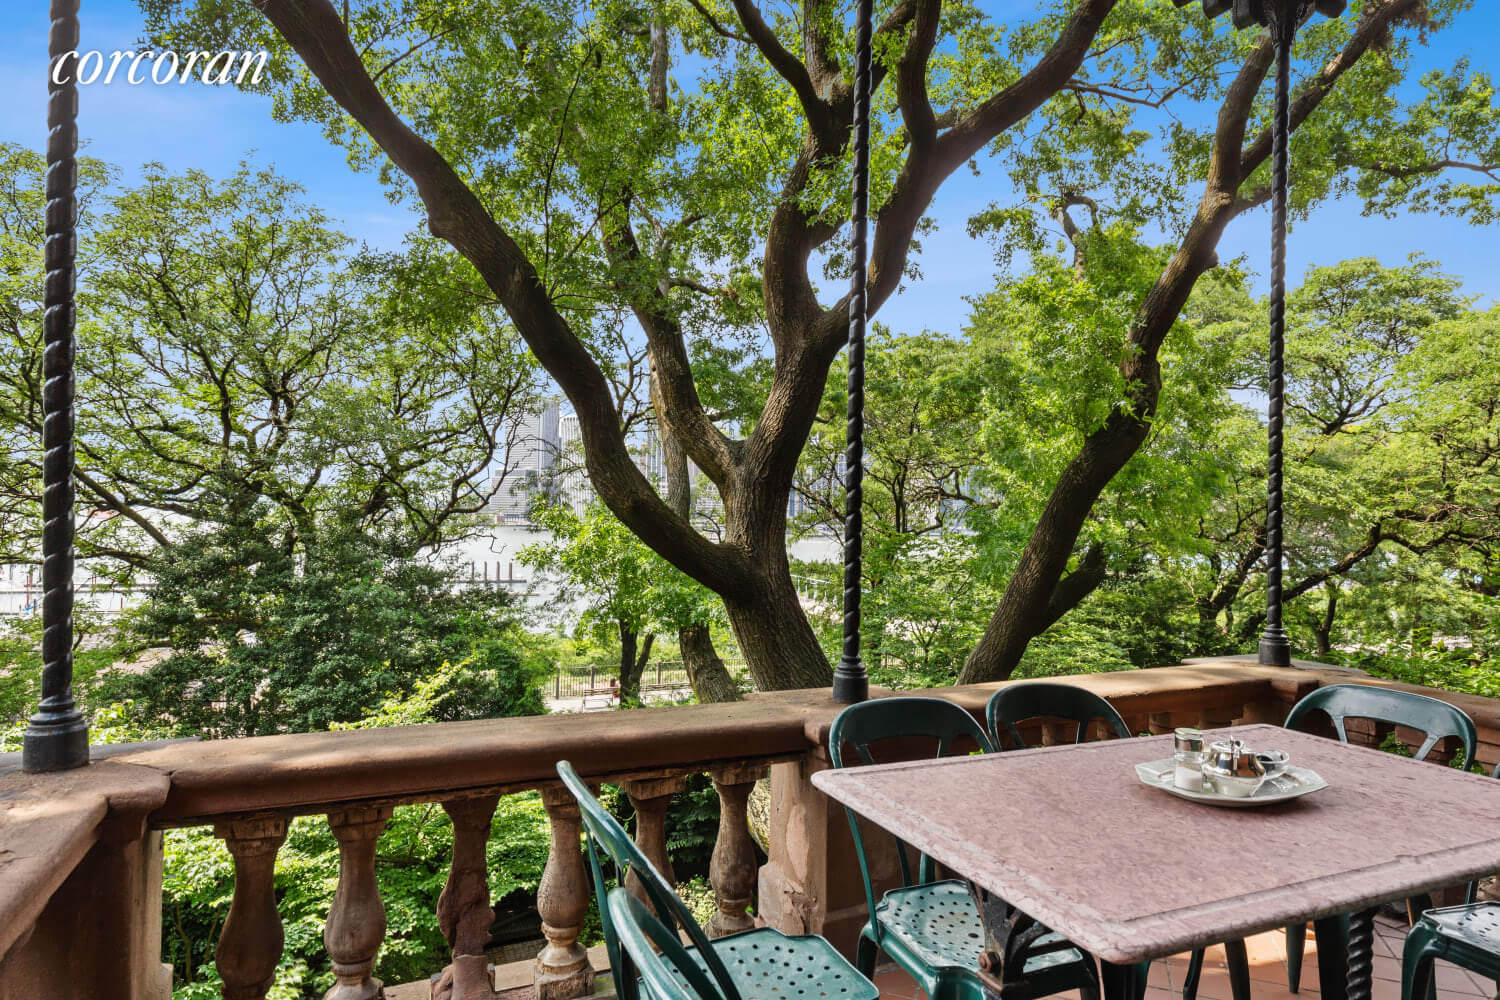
(1275, 648)
(57, 742)
(850, 683)
(1361, 953)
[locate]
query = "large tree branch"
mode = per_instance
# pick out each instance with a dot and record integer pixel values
(455, 213)
(1375, 23)
(109, 499)
(671, 371)
(787, 66)
(911, 75)
(929, 165)
(1106, 450)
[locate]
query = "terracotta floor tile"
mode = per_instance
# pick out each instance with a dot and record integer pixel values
(895, 984)
(1215, 986)
(1269, 972)
(1266, 948)
(1158, 977)
(1452, 979)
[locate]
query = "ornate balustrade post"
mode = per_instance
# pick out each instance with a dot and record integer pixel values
(464, 910)
(251, 941)
(356, 924)
(562, 968)
(651, 797)
(732, 870)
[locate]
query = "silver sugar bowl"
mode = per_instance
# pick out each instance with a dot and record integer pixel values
(1232, 769)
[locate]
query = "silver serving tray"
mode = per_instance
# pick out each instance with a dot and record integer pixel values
(1289, 783)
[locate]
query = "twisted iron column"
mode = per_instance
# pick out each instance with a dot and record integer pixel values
(1282, 18)
(58, 737)
(850, 682)
(1275, 648)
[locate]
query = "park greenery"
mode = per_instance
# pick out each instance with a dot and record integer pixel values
(281, 432)
(685, 165)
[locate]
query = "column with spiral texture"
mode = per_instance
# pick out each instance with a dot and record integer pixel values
(850, 682)
(1361, 965)
(1275, 649)
(57, 737)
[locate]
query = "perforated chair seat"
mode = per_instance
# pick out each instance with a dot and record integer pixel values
(940, 924)
(765, 964)
(1467, 936)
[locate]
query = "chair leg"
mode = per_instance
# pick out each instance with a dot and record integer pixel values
(1194, 974)
(1124, 982)
(1239, 969)
(1296, 945)
(865, 955)
(1417, 979)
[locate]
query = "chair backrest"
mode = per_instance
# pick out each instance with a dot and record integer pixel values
(649, 947)
(605, 833)
(1018, 703)
(884, 720)
(1434, 719)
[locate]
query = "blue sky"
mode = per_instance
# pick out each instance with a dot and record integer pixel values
(213, 128)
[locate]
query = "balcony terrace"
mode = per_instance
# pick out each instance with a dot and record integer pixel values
(81, 851)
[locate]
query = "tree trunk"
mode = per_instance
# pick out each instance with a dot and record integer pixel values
(706, 671)
(780, 647)
(631, 664)
(1324, 629)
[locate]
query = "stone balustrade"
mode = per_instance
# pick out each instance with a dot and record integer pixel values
(80, 853)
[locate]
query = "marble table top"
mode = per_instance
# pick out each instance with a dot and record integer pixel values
(1070, 835)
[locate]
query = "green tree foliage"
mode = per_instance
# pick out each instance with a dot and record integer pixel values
(236, 350)
(262, 638)
(966, 434)
(686, 165)
(1393, 513)
(624, 591)
(1389, 469)
(277, 432)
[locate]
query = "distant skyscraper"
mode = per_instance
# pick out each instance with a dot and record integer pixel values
(533, 449)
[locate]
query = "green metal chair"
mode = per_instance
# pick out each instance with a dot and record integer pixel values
(1467, 936)
(1012, 706)
(749, 965)
(652, 954)
(1435, 720)
(931, 927)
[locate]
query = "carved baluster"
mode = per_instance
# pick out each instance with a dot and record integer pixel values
(650, 797)
(732, 869)
(464, 910)
(562, 900)
(250, 943)
(356, 924)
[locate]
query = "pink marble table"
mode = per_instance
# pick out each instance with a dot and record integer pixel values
(1069, 835)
